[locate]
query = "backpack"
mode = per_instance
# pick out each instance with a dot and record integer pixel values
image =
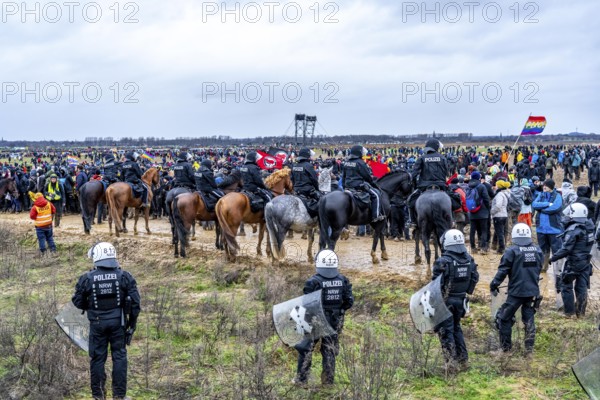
(513, 203)
(473, 200)
(527, 197)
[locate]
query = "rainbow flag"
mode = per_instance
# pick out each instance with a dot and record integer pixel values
(534, 126)
(72, 161)
(147, 156)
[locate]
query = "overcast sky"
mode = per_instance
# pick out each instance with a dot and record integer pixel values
(361, 66)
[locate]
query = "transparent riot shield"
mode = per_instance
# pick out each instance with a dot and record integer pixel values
(75, 325)
(587, 372)
(427, 307)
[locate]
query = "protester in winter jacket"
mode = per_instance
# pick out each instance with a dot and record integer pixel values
(526, 200)
(567, 192)
(500, 215)
(479, 219)
(594, 176)
(548, 205)
(41, 213)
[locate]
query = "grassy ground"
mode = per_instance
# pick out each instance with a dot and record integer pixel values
(206, 332)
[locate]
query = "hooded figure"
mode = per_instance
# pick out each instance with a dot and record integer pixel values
(568, 193)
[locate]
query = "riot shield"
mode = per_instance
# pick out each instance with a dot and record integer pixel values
(557, 268)
(301, 320)
(498, 300)
(74, 324)
(427, 307)
(587, 372)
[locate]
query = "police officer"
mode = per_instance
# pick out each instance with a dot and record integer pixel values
(106, 293)
(522, 263)
(132, 173)
(357, 176)
(576, 246)
(111, 169)
(429, 170)
(205, 182)
(336, 298)
(252, 179)
(184, 173)
(459, 277)
(304, 176)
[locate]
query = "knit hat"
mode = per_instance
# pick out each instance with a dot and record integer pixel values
(524, 182)
(549, 183)
(38, 195)
(502, 184)
(476, 175)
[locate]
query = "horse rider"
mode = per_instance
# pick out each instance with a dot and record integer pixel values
(304, 177)
(184, 173)
(132, 173)
(206, 184)
(357, 176)
(111, 169)
(252, 180)
(430, 171)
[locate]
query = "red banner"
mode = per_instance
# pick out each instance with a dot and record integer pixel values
(379, 169)
(267, 161)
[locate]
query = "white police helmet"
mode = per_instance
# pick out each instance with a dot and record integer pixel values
(104, 255)
(521, 234)
(454, 240)
(327, 264)
(576, 212)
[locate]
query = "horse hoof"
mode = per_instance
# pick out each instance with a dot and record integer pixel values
(375, 260)
(148, 232)
(384, 255)
(176, 255)
(311, 260)
(259, 252)
(193, 239)
(418, 260)
(87, 232)
(125, 231)
(242, 234)
(305, 236)
(254, 229)
(135, 233)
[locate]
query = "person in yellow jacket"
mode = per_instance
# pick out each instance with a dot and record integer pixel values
(54, 194)
(41, 213)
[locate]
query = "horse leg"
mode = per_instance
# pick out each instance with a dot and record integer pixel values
(218, 237)
(384, 254)
(426, 239)
(261, 234)
(110, 223)
(147, 217)
(290, 234)
(311, 240)
(136, 216)
(374, 247)
(194, 230)
(304, 234)
(417, 236)
(242, 232)
(124, 220)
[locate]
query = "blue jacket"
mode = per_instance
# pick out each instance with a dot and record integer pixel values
(549, 207)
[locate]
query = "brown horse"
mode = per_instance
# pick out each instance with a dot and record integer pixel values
(234, 208)
(119, 196)
(189, 207)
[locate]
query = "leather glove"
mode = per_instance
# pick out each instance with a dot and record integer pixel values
(494, 289)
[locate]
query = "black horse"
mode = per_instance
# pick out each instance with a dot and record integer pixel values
(90, 195)
(337, 209)
(434, 216)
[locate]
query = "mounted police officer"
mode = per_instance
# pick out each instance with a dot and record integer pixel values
(132, 173)
(206, 185)
(184, 173)
(576, 247)
(429, 171)
(522, 263)
(111, 299)
(306, 183)
(459, 277)
(252, 179)
(111, 169)
(336, 298)
(357, 176)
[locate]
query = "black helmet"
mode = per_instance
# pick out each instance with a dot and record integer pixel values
(304, 153)
(251, 157)
(206, 163)
(130, 156)
(183, 156)
(433, 144)
(356, 151)
(109, 157)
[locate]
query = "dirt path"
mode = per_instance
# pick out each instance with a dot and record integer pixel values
(354, 253)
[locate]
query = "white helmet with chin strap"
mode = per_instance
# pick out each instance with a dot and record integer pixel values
(521, 234)
(576, 212)
(327, 263)
(454, 240)
(103, 254)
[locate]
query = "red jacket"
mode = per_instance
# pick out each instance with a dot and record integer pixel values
(463, 200)
(40, 204)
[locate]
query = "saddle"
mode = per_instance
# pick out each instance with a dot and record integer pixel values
(256, 202)
(209, 201)
(311, 204)
(138, 188)
(362, 200)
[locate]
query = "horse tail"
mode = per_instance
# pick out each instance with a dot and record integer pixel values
(226, 231)
(324, 225)
(275, 235)
(112, 208)
(85, 216)
(440, 220)
(179, 225)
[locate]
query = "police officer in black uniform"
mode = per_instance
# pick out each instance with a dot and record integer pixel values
(111, 169)
(304, 178)
(132, 173)
(252, 179)
(336, 298)
(357, 176)
(111, 299)
(576, 246)
(430, 170)
(206, 185)
(522, 263)
(459, 278)
(184, 173)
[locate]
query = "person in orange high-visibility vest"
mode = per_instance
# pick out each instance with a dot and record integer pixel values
(42, 213)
